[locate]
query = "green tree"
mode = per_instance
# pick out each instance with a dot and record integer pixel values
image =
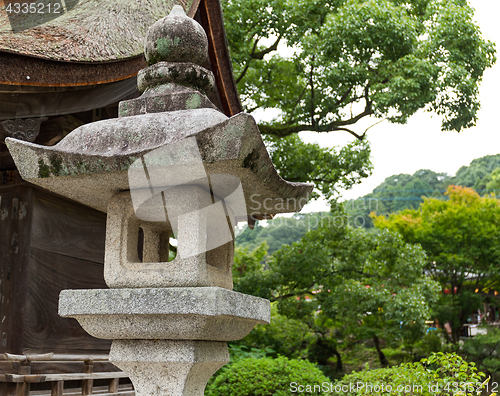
(386, 58)
(461, 237)
(403, 191)
(280, 231)
(493, 184)
(370, 284)
(284, 336)
(348, 60)
(397, 192)
(474, 174)
(328, 168)
(247, 266)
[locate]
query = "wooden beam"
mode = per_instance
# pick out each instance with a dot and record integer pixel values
(212, 20)
(15, 68)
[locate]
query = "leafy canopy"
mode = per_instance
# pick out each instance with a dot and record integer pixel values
(327, 168)
(356, 58)
(367, 283)
(278, 232)
(461, 237)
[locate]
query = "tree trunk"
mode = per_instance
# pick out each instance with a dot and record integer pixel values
(381, 357)
(338, 368)
(455, 334)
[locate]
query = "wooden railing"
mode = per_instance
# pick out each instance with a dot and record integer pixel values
(22, 383)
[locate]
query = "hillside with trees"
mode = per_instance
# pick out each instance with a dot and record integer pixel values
(279, 231)
(404, 191)
(396, 193)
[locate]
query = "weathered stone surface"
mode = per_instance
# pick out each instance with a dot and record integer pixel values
(176, 49)
(192, 265)
(185, 74)
(166, 97)
(91, 164)
(176, 38)
(133, 135)
(187, 313)
(173, 368)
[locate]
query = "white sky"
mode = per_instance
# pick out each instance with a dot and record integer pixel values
(420, 144)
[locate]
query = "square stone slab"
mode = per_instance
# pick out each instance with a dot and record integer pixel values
(187, 313)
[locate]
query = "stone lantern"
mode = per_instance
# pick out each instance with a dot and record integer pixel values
(171, 168)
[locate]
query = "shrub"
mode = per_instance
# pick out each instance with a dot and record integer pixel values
(266, 377)
(285, 336)
(433, 341)
(238, 352)
(484, 349)
(439, 375)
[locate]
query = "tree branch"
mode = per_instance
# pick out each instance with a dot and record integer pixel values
(260, 54)
(293, 294)
(247, 65)
(287, 130)
(339, 125)
(290, 118)
(343, 97)
(311, 83)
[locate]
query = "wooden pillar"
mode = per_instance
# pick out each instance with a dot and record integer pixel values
(113, 385)
(57, 388)
(23, 388)
(88, 384)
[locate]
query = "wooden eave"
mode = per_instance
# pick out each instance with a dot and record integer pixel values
(29, 77)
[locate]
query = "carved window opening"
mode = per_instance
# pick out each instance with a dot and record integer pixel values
(155, 245)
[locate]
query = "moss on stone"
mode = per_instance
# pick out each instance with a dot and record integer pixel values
(43, 169)
(123, 109)
(55, 164)
(164, 47)
(193, 102)
(251, 160)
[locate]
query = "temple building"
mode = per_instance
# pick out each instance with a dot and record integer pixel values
(68, 64)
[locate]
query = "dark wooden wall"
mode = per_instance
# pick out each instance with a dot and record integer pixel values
(14, 250)
(47, 244)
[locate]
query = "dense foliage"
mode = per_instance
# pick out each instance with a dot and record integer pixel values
(265, 377)
(280, 231)
(484, 350)
(356, 58)
(461, 237)
(371, 285)
(439, 375)
(403, 191)
(343, 61)
(328, 168)
(478, 174)
(283, 336)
